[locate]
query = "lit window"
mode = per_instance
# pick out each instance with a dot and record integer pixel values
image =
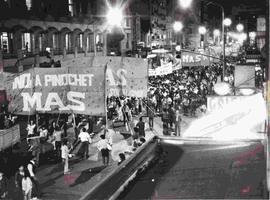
(81, 41)
(26, 42)
(128, 22)
(4, 42)
(71, 7)
(54, 41)
(68, 41)
(28, 4)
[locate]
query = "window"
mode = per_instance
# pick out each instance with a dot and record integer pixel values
(128, 39)
(92, 42)
(71, 7)
(68, 41)
(41, 39)
(127, 22)
(28, 4)
(26, 42)
(80, 41)
(54, 41)
(87, 43)
(4, 42)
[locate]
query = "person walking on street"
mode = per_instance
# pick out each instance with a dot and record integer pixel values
(3, 186)
(31, 167)
(85, 140)
(57, 135)
(141, 127)
(27, 187)
(178, 119)
(151, 115)
(64, 154)
(102, 146)
(18, 180)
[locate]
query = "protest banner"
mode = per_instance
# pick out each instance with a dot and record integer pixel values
(193, 59)
(162, 70)
(9, 137)
(77, 90)
(125, 76)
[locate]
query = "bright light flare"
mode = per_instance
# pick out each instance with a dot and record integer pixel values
(239, 27)
(234, 120)
(185, 3)
(227, 22)
(178, 26)
(114, 16)
(202, 30)
(252, 35)
(216, 32)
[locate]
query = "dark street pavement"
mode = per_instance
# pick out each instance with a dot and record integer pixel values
(230, 171)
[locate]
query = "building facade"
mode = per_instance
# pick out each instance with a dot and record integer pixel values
(62, 28)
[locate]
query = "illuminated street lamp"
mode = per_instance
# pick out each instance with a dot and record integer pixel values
(227, 21)
(185, 3)
(178, 26)
(216, 33)
(202, 30)
(114, 16)
(252, 35)
(239, 27)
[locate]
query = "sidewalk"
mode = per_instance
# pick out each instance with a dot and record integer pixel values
(85, 174)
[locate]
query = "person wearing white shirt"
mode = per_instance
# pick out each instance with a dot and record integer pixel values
(64, 154)
(85, 140)
(102, 146)
(27, 187)
(30, 128)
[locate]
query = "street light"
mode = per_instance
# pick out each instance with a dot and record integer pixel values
(178, 26)
(227, 22)
(202, 30)
(239, 27)
(216, 33)
(185, 3)
(114, 16)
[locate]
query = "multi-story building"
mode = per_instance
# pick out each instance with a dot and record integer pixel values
(64, 28)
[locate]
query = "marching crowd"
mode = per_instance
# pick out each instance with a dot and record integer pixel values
(170, 96)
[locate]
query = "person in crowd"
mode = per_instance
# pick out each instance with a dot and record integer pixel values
(125, 111)
(65, 155)
(57, 136)
(85, 139)
(31, 128)
(103, 146)
(122, 158)
(151, 115)
(35, 149)
(43, 132)
(3, 186)
(27, 187)
(178, 119)
(31, 167)
(141, 127)
(18, 177)
(171, 116)
(7, 122)
(52, 128)
(165, 120)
